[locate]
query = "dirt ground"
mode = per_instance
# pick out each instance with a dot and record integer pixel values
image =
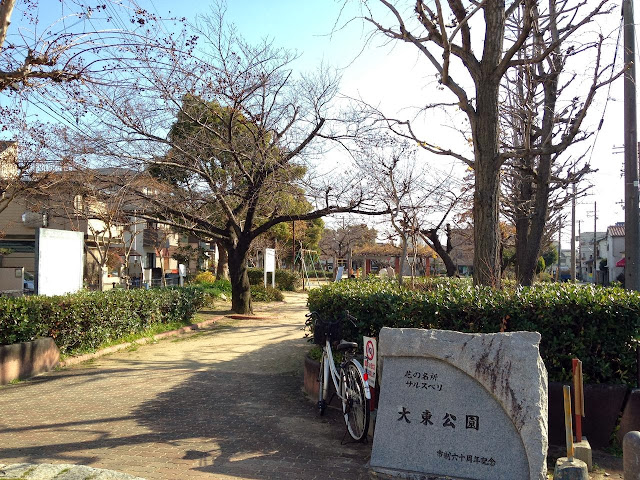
(605, 465)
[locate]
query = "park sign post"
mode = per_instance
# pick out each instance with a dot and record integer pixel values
(270, 266)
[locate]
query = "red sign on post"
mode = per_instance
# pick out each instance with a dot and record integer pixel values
(370, 358)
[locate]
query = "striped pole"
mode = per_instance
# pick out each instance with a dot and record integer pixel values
(578, 396)
(567, 421)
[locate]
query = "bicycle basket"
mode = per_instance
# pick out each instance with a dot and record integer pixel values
(323, 329)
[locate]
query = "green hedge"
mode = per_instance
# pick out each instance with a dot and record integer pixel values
(213, 289)
(84, 321)
(261, 294)
(285, 280)
(597, 325)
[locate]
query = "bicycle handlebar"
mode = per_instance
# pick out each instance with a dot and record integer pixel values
(316, 316)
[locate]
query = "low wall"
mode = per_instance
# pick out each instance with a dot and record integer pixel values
(24, 360)
(11, 279)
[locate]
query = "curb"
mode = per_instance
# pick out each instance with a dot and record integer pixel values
(141, 341)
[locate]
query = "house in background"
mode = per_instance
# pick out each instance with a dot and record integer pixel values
(615, 252)
(111, 231)
(462, 250)
(374, 257)
(8, 160)
(584, 257)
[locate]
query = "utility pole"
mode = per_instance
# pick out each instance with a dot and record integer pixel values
(595, 242)
(573, 234)
(580, 251)
(293, 242)
(559, 248)
(632, 223)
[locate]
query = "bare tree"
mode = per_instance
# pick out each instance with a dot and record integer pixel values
(419, 204)
(84, 44)
(543, 116)
(340, 242)
(224, 134)
(475, 85)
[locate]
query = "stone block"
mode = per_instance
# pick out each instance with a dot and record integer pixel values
(16, 470)
(47, 471)
(573, 469)
(456, 405)
(582, 451)
(630, 420)
(631, 455)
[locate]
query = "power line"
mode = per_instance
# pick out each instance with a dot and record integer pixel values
(604, 111)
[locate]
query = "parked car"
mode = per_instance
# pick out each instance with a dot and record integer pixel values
(29, 283)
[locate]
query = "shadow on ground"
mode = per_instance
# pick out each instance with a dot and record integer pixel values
(261, 422)
(245, 418)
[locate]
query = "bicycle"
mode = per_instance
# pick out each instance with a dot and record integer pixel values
(349, 379)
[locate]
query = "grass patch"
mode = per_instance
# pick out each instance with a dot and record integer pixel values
(132, 337)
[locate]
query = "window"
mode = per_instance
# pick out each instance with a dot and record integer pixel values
(151, 260)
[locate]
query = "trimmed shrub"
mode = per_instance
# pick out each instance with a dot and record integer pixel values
(215, 289)
(285, 280)
(84, 321)
(204, 277)
(595, 324)
(269, 294)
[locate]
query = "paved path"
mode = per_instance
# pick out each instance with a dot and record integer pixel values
(224, 403)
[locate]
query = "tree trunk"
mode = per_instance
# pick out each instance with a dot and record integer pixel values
(240, 288)
(528, 257)
(403, 260)
(522, 224)
(6, 8)
(486, 198)
(486, 233)
(443, 253)
(485, 123)
(222, 268)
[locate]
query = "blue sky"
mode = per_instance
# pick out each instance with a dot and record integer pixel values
(394, 77)
(397, 78)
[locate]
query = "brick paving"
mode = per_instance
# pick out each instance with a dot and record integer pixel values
(223, 403)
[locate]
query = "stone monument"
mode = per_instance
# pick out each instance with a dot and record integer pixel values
(460, 406)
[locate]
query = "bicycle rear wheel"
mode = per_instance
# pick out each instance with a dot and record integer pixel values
(355, 404)
(322, 386)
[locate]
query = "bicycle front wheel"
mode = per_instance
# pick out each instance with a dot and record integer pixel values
(355, 404)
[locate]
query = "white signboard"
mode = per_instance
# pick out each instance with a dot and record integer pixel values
(269, 259)
(270, 265)
(59, 261)
(370, 358)
(182, 272)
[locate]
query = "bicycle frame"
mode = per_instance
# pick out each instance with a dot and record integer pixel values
(337, 381)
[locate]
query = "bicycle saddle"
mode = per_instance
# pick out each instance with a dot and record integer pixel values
(346, 346)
